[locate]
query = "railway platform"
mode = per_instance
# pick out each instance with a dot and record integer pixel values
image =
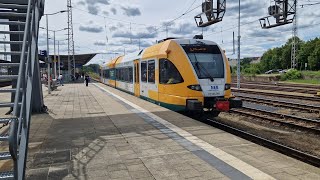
(98, 132)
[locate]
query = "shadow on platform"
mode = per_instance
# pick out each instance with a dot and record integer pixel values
(73, 148)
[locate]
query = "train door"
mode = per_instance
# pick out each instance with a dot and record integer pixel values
(136, 78)
(149, 82)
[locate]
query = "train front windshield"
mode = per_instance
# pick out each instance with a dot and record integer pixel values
(207, 60)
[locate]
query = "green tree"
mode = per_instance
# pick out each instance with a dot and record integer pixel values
(306, 51)
(275, 62)
(285, 57)
(280, 57)
(265, 60)
(94, 68)
(314, 58)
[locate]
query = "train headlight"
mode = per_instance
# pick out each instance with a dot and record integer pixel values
(227, 87)
(196, 87)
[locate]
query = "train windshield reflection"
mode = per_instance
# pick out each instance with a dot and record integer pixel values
(207, 65)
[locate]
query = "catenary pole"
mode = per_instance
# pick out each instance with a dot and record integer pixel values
(54, 55)
(239, 40)
(59, 68)
(48, 57)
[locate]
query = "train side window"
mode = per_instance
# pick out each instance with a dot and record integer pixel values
(130, 74)
(144, 71)
(108, 74)
(112, 74)
(151, 71)
(169, 74)
(123, 73)
(127, 76)
(117, 74)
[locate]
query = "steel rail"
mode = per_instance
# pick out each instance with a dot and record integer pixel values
(286, 150)
(291, 105)
(307, 86)
(278, 88)
(287, 121)
(309, 98)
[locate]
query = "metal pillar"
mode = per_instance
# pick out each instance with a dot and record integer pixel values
(54, 55)
(48, 57)
(71, 60)
(294, 38)
(239, 41)
(59, 63)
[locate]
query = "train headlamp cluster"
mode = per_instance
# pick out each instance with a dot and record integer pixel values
(196, 87)
(227, 87)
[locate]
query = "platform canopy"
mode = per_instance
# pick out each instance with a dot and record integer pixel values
(81, 59)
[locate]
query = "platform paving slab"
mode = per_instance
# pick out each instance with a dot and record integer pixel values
(90, 134)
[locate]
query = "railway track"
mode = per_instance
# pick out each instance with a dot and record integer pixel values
(307, 98)
(281, 103)
(282, 84)
(279, 88)
(297, 154)
(309, 125)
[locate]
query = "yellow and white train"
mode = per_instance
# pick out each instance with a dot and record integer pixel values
(179, 74)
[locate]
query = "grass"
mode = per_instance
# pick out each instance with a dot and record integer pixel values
(94, 75)
(311, 73)
(305, 81)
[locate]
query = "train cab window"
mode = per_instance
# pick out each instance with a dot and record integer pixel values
(151, 71)
(169, 74)
(144, 71)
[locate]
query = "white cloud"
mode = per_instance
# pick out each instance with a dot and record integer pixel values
(149, 26)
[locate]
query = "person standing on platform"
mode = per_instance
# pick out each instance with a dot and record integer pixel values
(87, 79)
(60, 78)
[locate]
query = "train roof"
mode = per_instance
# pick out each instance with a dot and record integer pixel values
(156, 49)
(131, 57)
(194, 41)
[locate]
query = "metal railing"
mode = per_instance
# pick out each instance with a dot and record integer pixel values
(22, 109)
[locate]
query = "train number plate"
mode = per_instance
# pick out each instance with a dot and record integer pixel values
(213, 93)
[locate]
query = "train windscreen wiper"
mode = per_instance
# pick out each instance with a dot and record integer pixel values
(202, 68)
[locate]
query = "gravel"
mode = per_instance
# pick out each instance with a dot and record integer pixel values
(302, 141)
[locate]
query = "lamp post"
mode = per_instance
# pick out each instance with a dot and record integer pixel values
(239, 43)
(48, 55)
(54, 47)
(59, 62)
(54, 56)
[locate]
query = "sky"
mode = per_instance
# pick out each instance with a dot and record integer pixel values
(113, 27)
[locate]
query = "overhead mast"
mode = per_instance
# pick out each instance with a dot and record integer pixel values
(239, 48)
(71, 60)
(294, 39)
(283, 12)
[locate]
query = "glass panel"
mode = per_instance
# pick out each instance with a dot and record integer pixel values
(151, 71)
(130, 75)
(169, 74)
(144, 71)
(207, 60)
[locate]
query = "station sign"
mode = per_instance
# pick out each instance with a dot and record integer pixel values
(43, 53)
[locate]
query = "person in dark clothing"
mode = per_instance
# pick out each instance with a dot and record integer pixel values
(87, 79)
